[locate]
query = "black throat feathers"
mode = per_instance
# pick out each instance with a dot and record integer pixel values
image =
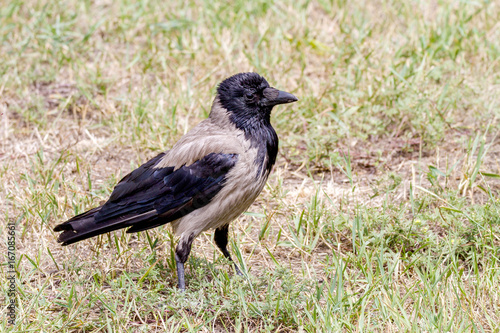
(262, 136)
(258, 129)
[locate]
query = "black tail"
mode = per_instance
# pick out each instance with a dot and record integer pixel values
(84, 226)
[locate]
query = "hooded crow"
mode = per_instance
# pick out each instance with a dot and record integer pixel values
(208, 178)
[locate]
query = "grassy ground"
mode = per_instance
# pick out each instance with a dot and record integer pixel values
(381, 215)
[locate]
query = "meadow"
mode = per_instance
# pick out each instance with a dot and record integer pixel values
(382, 213)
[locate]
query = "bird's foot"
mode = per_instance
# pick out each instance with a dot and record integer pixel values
(238, 271)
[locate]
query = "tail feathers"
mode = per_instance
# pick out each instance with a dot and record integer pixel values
(146, 226)
(83, 226)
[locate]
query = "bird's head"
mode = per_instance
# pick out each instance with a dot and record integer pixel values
(248, 96)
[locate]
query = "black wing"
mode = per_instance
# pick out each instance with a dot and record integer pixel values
(149, 197)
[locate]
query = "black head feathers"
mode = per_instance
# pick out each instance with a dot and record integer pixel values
(249, 98)
(236, 85)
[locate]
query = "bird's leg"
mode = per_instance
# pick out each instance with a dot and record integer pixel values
(220, 238)
(181, 255)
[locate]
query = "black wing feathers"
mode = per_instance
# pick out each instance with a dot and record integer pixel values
(168, 189)
(141, 178)
(149, 197)
(196, 184)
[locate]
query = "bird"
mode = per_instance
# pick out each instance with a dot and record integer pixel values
(205, 181)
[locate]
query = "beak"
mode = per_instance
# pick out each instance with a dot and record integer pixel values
(274, 97)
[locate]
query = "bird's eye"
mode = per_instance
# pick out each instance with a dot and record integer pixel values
(249, 95)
